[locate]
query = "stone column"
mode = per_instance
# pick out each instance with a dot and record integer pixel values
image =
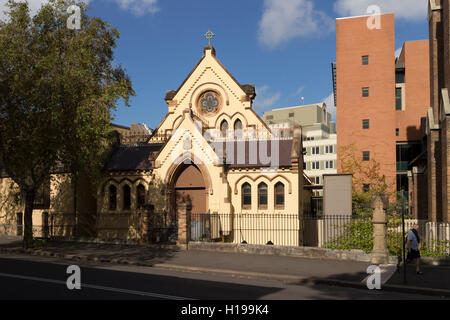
(184, 224)
(380, 253)
(146, 218)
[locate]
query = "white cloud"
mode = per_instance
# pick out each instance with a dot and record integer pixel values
(288, 19)
(329, 101)
(403, 9)
(139, 7)
(265, 99)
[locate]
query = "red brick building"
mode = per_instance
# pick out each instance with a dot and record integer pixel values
(380, 99)
(437, 125)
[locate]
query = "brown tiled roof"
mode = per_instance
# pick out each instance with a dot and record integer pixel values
(284, 154)
(132, 157)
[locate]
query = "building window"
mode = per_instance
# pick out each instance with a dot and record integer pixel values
(366, 124)
(246, 196)
(269, 117)
(329, 149)
(112, 198)
(126, 197)
(365, 92)
(42, 197)
(304, 165)
(365, 60)
(329, 164)
(398, 98)
(291, 115)
(316, 165)
(397, 132)
(366, 156)
(238, 129)
(262, 196)
(140, 196)
(279, 195)
(366, 188)
(224, 129)
(317, 180)
(315, 150)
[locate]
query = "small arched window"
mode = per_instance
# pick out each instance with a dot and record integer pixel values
(262, 196)
(279, 195)
(246, 196)
(224, 129)
(238, 129)
(126, 197)
(112, 198)
(140, 199)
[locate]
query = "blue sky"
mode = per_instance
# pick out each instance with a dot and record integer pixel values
(284, 47)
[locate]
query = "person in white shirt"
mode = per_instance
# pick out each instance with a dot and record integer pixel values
(413, 241)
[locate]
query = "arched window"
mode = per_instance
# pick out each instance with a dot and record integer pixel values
(224, 129)
(279, 195)
(246, 196)
(262, 196)
(238, 129)
(140, 197)
(112, 198)
(126, 197)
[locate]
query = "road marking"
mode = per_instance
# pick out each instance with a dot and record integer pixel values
(91, 286)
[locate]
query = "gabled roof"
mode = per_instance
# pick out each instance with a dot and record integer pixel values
(249, 89)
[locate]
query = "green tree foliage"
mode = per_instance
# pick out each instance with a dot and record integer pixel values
(57, 89)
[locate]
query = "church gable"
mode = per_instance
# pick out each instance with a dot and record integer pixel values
(213, 95)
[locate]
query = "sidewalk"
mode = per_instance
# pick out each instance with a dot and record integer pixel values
(435, 281)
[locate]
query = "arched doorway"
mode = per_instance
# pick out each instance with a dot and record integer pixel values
(189, 188)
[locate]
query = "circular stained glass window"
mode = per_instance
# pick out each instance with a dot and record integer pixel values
(209, 102)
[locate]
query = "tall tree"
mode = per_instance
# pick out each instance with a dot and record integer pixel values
(364, 173)
(57, 89)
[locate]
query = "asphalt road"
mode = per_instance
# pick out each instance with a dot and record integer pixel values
(26, 277)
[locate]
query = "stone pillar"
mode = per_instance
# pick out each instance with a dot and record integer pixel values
(184, 224)
(380, 253)
(146, 218)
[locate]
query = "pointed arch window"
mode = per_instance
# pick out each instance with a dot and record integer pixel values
(140, 196)
(279, 195)
(126, 197)
(238, 129)
(246, 196)
(224, 129)
(112, 198)
(262, 196)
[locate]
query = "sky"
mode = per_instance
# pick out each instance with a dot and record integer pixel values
(284, 47)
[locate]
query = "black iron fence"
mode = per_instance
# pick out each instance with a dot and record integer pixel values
(340, 232)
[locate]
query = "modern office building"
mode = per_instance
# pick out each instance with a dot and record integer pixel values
(319, 136)
(380, 99)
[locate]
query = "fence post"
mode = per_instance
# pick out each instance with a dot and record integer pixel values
(380, 253)
(184, 224)
(145, 223)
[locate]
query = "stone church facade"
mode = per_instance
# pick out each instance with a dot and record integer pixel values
(211, 155)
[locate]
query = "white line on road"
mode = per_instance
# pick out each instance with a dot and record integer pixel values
(91, 286)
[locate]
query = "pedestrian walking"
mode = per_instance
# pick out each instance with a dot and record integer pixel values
(413, 241)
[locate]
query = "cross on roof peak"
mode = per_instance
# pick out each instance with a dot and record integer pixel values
(209, 35)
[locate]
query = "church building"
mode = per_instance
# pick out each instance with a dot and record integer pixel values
(211, 155)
